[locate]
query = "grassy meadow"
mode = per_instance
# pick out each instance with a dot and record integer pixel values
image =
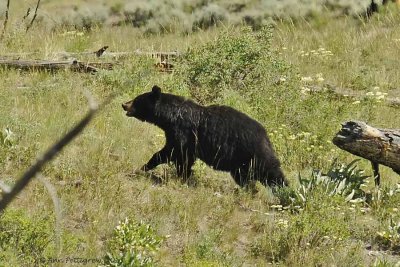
(269, 73)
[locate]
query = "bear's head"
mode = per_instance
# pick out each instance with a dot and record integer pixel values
(143, 106)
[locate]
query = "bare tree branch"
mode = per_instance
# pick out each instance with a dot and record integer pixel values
(49, 155)
(5, 20)
(34, 16)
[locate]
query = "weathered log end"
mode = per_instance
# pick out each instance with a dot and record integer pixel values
(354, 130)
(380, 146)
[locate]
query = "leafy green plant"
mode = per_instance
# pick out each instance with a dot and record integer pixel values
(234, 61)
(7, 138)
(23, 238)
(132, 244)
(354, 178)
(341, 179)
(384, 201)
(389, 238)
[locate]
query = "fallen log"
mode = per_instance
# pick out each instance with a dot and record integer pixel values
(380, 146)
(164, 61)
(72, 65)
(58, 55)
(161, 55)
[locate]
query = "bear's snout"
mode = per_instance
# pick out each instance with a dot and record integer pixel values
(128, 107)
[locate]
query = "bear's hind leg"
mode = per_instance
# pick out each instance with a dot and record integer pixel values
(241, 176)
(275, 177)
(184, 167)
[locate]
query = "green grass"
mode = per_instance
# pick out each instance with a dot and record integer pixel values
(208, 222)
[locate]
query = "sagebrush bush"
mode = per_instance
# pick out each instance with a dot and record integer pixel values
(155, 17)
(139, 13)
(86, 17)
(209, 16)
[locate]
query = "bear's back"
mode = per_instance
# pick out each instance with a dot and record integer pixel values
(227, 136)
(234, 119)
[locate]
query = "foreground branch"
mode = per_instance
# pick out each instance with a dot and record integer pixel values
(49, 155)
(380, 146)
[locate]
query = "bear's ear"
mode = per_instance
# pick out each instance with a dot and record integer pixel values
(156, 91)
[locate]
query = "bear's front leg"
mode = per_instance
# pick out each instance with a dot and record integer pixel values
(162, 156)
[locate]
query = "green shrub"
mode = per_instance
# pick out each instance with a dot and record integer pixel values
(7, 138)
(341, 179)
(132, 244)
(157, 17)
(233, 61)
(23, 239)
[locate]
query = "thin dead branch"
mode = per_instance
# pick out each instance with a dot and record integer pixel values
(5, 20)
(34, 16)
(49, 155)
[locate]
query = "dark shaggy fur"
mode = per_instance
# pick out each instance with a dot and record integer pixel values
(222, 137)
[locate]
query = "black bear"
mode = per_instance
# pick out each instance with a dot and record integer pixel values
(222, 137)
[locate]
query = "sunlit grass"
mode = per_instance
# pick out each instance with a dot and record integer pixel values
(209, 222)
